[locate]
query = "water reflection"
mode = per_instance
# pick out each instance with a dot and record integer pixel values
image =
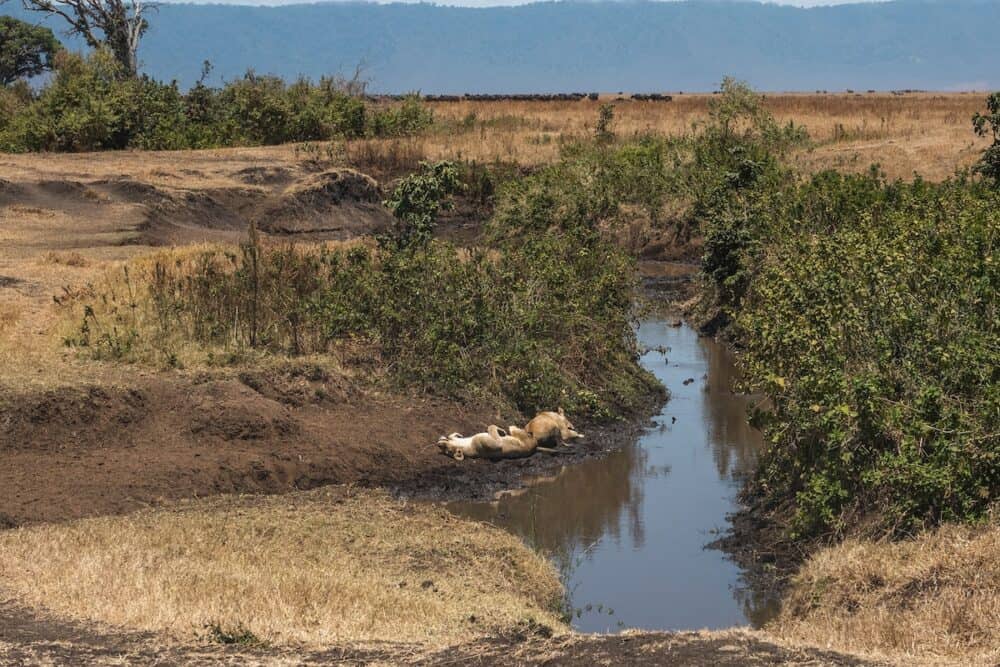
(629, 531)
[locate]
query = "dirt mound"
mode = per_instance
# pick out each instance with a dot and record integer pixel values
(9, 192)
(199, 215)
(264, 175)
(70, 190)
(339, 204)
(133, 192)
(231, 411)
(299, 385)
(86, 415)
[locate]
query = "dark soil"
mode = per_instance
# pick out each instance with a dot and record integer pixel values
(29, 638)
(93, 450)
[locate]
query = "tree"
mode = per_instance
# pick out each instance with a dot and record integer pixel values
(116, 25)
(986, 124)
(25, 50)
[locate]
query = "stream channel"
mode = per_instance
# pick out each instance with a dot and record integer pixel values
(629, 531)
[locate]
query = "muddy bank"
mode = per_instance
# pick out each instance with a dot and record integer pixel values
(477, 479)
(98, 449)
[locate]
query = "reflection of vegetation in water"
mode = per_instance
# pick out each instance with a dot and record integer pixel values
(560, 520)
(760, 603)
(735, 443)
(568, 525)
(557, 518)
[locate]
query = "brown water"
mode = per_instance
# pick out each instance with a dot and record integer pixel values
(629, 531)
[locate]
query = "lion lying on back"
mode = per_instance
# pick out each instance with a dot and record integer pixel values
(494, 444)
(546, 428)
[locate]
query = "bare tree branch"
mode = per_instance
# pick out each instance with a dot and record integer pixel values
(117, 25)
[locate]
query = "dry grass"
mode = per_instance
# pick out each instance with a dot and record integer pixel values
(313, 569)
(931, 600)
(118, 295)
(928, 133)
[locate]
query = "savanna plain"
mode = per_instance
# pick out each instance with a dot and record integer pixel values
(224, 368)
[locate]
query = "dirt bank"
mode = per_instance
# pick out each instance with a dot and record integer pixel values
(108, 449)
(29, 638)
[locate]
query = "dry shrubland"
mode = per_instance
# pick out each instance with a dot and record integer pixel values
(934, 599)
(310, 569)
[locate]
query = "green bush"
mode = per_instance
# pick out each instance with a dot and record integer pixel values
(90, 105)
(539, 321)
(592, 183)
(871, 321)
(988, 125)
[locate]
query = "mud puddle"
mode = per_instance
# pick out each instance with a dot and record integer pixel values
(629, 531)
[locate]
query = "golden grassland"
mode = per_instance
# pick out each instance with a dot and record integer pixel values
(934, 599)
(920, 132)
(310, 569)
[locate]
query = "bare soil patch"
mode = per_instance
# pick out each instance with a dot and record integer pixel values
(28, 637)
(92, 450)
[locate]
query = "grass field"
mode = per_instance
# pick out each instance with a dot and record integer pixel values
(918, 132)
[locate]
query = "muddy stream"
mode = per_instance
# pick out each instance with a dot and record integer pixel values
(629, 531)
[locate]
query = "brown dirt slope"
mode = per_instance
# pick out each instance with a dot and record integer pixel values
(335, 204)
(98, 449)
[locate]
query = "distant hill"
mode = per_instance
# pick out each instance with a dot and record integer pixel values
(605, 46)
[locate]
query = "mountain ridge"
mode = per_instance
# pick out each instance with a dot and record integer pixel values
(633, 45)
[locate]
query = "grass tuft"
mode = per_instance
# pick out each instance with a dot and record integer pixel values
(933, 599)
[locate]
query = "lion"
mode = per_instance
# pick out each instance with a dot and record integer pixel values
(480, 445)
(552, 428)
(495, 443)
(514, 443)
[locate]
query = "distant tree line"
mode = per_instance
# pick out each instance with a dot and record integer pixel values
(91, 103)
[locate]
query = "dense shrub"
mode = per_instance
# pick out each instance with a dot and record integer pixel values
(545, 320)
(868, 314)
(988, 125)
(89, 105)
(593, 183)
(416, 201)
(871, 321)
